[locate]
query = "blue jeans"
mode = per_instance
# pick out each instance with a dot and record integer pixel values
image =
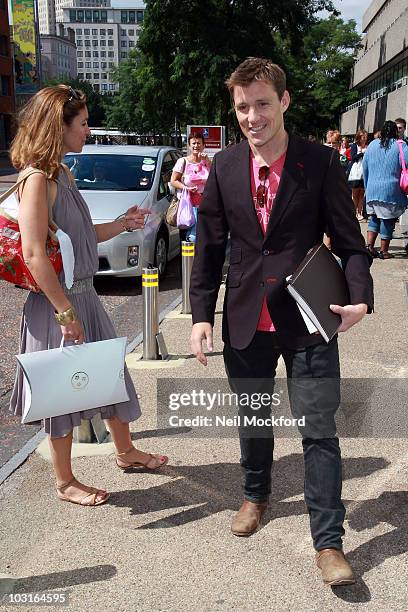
(253, 370)
(384, 227)
(192, 231)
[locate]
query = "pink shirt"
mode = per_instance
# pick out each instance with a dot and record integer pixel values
(263, 214)
(194, 175)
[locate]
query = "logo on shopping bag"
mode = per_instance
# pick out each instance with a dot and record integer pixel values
(79, 380)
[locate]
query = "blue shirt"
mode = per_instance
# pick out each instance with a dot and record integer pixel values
(382, 172)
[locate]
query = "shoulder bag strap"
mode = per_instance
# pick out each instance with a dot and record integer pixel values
(402, 157)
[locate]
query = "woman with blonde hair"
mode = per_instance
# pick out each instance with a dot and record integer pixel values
(53, 123)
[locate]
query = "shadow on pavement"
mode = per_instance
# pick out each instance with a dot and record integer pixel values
(62, 580)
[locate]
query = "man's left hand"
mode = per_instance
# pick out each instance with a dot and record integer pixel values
(350, 315)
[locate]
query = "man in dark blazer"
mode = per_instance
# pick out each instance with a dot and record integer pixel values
(275, 194)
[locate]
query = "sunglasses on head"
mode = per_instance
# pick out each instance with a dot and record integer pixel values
(261, 190)
(73, 95)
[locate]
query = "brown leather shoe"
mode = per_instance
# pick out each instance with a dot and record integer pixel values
(248, 518)
(336, 570)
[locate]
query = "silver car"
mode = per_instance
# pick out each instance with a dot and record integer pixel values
(114, 178)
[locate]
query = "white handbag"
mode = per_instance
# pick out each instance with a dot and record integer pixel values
(73, 378)
(356, 172)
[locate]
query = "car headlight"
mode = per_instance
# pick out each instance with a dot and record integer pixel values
(133, 256)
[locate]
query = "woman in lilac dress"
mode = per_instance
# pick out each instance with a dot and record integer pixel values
(53, 123)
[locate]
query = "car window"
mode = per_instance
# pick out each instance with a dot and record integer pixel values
(110, 172)
(165, 175)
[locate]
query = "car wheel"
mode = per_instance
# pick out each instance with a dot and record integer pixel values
(160, 255)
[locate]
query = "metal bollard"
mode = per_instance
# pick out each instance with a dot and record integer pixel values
(187, 258)
(150, 291)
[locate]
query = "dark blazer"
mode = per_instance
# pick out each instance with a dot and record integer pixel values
(313, 195)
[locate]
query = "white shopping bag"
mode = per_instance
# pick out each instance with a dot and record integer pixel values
(73, 378)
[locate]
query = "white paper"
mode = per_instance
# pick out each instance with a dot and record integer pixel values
(68, 258)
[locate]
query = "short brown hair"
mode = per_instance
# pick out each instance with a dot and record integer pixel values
(257, 69)
(401, 120)
(197, 136)
(40, 135)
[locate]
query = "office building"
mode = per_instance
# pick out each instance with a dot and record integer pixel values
(103, 38)
(50, 12)
(58, 55)
(380, 73)
(7, 106)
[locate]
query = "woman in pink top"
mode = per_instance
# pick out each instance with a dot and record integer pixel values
(191, 173)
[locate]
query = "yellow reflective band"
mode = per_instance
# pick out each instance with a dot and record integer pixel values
(150, 276)
(188, 254)
(152, 284)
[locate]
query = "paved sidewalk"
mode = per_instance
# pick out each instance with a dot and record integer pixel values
(163, 540)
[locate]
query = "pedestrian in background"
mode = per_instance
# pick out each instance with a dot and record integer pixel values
(355, 175)
(53, 123)
(401, 127)
(385, 199)
(191, 173)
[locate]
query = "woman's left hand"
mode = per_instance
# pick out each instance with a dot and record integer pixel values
(135, 217)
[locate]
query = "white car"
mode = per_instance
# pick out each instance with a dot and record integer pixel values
(112, 178)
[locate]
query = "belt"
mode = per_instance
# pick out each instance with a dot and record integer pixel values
(79, 286)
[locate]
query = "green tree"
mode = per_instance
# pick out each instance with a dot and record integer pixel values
(188, 48)
(330, 47)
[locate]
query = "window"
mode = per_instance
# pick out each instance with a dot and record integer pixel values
(88, 76)
(95, 42)
(73, 16)
(122, 172)
(103, 53)
(81, 76)
(88, 15)
(87, 31)
(103, 65)
(124, 16)
(104, 15)
(139, 16)
(88, 54)
(131, 43)
(80, 53)
(96, 16)
(123, 43)
(123, 55)
(96, 75)
(95, 54)
(87, 43)
(95, 65)
(123, 32)
(131, 32)
(111, 64)
(110, 32)
(102, 32)
(111, 54)
(80, 64)
(79, 43)
(87, 64)
(110, 43)
(94, 32)
(131, 16)
(103, 42)
(104, 86)
(112, 86)
(104, 76)
(79, 31)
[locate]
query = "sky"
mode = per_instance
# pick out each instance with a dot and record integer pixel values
(352, 9)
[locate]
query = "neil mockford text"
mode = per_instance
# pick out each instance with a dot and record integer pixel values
(212, 401)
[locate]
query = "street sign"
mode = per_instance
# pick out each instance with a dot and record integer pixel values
(214, 136)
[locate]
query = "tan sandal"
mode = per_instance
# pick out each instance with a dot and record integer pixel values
(92, 495)
(124, 465)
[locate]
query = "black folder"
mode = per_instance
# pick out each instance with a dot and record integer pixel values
(318, 282)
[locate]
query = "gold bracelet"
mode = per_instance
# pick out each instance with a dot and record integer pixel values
(66, 317)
